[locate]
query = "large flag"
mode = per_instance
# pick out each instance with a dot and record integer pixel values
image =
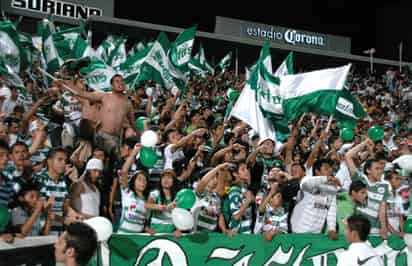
(130, 70)
(181, 49)
(316, 91)
(49, 50)
(11, 50)
(260, 103)
(157, 66)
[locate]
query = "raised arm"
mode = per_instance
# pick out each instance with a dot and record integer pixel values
(349, 156)
(92, 96)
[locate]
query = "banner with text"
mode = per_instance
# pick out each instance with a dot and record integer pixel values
(218, 249)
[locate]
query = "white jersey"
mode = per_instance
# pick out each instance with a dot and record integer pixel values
(317, 206)
(134, 213)
(360, 254)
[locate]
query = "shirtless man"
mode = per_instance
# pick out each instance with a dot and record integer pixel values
(115, 110)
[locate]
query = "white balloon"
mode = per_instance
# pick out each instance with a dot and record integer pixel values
(182, 219)
(149, 138)
(102, 226)
(404, 162)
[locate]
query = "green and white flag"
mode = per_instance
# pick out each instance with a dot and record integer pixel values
(196, 68)
(203, 61)
(106, 47)
(225, 62)
(316, 91)
(10, 48)
(11, 76)
(50, 53)
(158, 67)
(136, 48)
(348, 110)
(118, 55)
(98, 75)
(65, 41)
(181, 49)
(260, 103)
(130, 70)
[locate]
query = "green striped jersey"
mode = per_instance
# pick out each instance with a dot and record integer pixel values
(134, 213)
(161, 221)
(14, 176)
(235, 199)
(70, 105)
(208, 215)
(275, 219)
(378, 193)
(48, 187)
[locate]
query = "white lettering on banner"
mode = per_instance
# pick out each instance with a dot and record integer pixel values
(58, 8)
(176, 255)
(345, 107)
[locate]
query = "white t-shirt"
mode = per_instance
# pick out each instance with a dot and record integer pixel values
(170, 156)
(360, 254)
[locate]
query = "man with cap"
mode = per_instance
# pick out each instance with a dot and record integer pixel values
(84, 194)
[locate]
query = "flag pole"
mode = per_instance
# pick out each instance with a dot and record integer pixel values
(53, 78)
(329, 123)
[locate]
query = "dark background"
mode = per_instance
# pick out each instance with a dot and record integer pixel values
(382, 25)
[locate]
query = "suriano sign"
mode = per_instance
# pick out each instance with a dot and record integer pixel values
(65, 10)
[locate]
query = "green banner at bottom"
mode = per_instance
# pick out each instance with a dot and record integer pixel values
(219, 249)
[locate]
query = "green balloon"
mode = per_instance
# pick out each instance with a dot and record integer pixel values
(407, 226)
(376, 133)
(347, 134)
(185, 198)
(148, 157)
(140, 122)
(233, 94)
(4, 217)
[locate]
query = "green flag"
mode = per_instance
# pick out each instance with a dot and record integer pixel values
(181, 49)
(10, 76)
(98, 75)
(51, 56)
(65, 41)
(157, 66)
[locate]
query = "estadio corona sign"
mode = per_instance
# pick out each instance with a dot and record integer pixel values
(282, 35)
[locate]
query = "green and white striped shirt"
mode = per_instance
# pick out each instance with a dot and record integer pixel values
(49, 188)
(208, 215)
(134, 213)
(161, 221)
(275, 219)
(378, 193)
(235, 200)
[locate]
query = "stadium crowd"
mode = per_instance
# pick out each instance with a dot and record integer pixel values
(68, 153)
